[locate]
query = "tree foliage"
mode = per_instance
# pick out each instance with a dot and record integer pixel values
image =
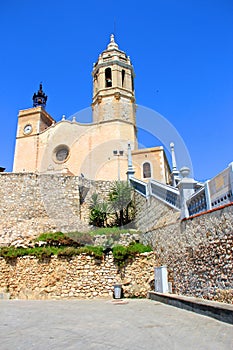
(98, 213)
(117, 210)
(121, 202)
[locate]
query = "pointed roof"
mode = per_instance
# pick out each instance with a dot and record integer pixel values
(112, 45)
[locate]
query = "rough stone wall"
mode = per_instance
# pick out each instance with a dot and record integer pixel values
(87, 188)
(197, 252)
(206, 270)
(116, 239)
(152, 214)
(81, 277)
(32, 204)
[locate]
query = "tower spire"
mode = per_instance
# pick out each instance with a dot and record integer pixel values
(39, 98)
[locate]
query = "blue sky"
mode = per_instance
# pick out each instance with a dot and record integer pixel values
(182, 52)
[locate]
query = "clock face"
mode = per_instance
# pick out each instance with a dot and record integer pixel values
(27, 129)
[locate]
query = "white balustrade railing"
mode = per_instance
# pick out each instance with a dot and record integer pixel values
(197, 203)
(165, 193)
(168, 194)
(140, 186)
(212, 194)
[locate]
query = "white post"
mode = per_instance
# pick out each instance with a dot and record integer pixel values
(130, 172)
(187, 188)
(207, 195)
(175, 172)
(231, 177)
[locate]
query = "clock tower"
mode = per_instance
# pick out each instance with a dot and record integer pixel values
(31, 123)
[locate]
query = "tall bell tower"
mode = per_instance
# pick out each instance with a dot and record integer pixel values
(113, 86)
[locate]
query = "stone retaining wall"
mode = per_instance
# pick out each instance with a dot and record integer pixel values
(81, 277)
(197, 251)
(32, 204)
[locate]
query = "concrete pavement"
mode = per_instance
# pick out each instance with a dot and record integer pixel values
(105, 324)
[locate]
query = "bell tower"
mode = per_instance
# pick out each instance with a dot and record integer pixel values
(31, 123)
(113, 86)
(39, 98)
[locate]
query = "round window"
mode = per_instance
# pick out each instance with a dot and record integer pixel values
(61, 153)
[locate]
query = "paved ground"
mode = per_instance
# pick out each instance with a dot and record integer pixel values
(101, 324)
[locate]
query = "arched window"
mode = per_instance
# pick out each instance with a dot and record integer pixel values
(122, 77)
(146, 170)
(132, 83)
(96, 81)
(108, 77)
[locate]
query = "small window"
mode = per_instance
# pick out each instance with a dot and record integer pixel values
(61, 153)
(108, 77)
(146, 170)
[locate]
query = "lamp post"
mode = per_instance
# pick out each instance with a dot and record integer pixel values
(118, 154)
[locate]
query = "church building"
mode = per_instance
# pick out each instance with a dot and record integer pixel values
(98, 150)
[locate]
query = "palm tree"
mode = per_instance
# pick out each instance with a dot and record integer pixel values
(121, 200)
(98, 214)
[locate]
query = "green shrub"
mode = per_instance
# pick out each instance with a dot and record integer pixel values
(67, 252)
(97, 251)
(110, 230)
(46, 237)
(81, 238)
(44, 252)
(138, 248)
(48, 251)
(122, 254)
(72, 239)
(39, 252)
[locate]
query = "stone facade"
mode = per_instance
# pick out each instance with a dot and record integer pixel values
(80, 277)
(196, 251)
(44, 145)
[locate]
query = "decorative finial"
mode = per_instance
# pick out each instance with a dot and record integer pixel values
(63, 117)
(74, 119)
(39, 98)
(112, 45)
(172, 146)
(185, 171)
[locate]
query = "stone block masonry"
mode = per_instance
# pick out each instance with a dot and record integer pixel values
(32, 204)
(79, 277)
